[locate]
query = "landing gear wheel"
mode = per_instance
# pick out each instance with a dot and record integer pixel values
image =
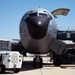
(16, 70)
(40, 63)
(2, 69)
(57, 62)
(34, 62)
(37, 62)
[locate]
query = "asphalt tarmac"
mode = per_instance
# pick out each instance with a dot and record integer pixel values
(48, 68)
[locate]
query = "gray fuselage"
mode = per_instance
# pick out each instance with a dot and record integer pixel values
(37, 29)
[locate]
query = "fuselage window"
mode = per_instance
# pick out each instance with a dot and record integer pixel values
(33, 14)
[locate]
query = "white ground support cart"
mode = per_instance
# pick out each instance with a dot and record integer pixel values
(9, 60)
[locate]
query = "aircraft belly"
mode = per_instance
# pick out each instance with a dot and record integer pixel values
(36, 46)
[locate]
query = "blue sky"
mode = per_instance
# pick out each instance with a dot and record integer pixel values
(11, 12)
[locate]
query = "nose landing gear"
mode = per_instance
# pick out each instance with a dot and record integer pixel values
(37, 62)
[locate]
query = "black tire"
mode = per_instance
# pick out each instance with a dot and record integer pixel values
(34, 63)
(40, 63)
(57, 62)
(2, 69)
(16, 70)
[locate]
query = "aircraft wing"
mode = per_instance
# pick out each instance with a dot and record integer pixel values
(61, 11)
(17, 47)
(67, 35)
(70, 46)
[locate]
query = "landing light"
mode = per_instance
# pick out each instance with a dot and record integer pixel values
(39, 23)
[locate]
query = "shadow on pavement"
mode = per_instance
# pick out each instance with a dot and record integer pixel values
(7, 72)
(28, 65)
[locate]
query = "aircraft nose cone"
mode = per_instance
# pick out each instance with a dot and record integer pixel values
(37, 26)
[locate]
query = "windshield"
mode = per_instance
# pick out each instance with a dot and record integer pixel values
(4, 46)
(45, 15)
(33, 14)
(42, 15)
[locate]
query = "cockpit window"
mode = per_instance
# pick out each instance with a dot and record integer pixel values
(45, 15)
(42, 15)
(33, 14)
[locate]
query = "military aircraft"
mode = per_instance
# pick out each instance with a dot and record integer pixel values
(39, 34)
